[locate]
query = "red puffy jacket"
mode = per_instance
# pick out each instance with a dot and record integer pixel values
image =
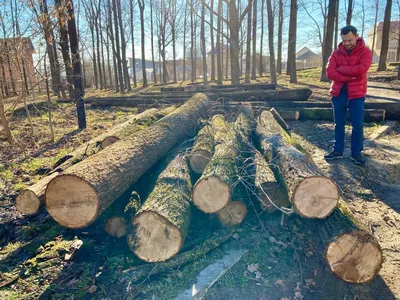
(351, 69)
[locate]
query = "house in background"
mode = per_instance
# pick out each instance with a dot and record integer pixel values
(150, 71)
(394, 33)
(19, 52)
(305, 58)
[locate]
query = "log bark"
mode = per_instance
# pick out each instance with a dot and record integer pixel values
(273, 95)
(279, 119)
(31, 199)
(270, 194)
(120, 131)
(213, 190)
(77, 197)
(202, 150)
(352, 253)
(162, 223)
(370, 115)
(311, 194)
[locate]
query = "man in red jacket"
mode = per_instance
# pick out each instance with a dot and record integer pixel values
(347, 68)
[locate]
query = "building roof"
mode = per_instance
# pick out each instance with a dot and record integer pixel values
(394, 26)
(305, 54)
(27, 42)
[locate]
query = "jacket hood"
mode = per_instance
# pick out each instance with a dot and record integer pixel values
(360, 44)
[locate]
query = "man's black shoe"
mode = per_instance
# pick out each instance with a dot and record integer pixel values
(333, 155)
(358, 159)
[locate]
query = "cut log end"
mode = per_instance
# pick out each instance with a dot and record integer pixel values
(355, 257)
(211, 194)
(199, 160)
(108, 141)
(28, 202)
(233, 213)
(154, 239)
(116, 227)
(316, 197)
(71, 201)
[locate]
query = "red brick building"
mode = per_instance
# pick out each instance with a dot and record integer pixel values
(15, 55)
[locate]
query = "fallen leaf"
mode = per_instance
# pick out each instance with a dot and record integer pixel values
(92, 289)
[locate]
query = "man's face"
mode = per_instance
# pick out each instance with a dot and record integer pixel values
(349, 40)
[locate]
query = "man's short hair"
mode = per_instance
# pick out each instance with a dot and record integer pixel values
(349, 28)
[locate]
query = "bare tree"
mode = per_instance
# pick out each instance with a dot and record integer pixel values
(327, 50)
(97, 30)
(91, 17)
(271, 41)
(117, 47)
(350, 9)
(123, 49)
(192, 43)
(4, 121)
(219, 50)
(132, 17)
(291, 64)
(152, 42)
(49, 100)
(335, 41)
(375, 27)
(398, 42)
(280, 29)
(254, 58)
(141, 9)
(203, 42)
(261, 38)
(212, 41)
(110, 32)
(385, 37)
(248, 45)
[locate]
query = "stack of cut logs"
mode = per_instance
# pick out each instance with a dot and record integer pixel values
(86, 182)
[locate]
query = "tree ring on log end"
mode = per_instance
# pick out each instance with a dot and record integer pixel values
(210, 194)
(199, 160)
(27, 202)
(71, 201)
(355, 257)
(233, 213)
(154, 238)
(108, 141)
(315, 197)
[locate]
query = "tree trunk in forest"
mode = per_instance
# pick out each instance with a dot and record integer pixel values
(235, 22)
(248, 44)
(192, 44)
(117, 48)
(133, 43)
(62, 25)
(327, 50)
(4, 121)
(123, 49)
(102, 55)
(162, 223)
(271, 41)
(311, 194)
(94, 58)
(219, 50)
(335, 41)
(142, 42)
(375, 27)
(89, 187)
(280, 29)
(203, 42)
(76, 67)
(254, 37)
(385, 37)
(291, 64)
(262, 38)
(212, 42)
(184, 43)
(270, 194)
(98, 56)
(111, 34)
(202, 150)
(173, 32)
(152, 42)
(349, 12)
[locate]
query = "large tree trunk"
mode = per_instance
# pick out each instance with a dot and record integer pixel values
(349, 12)
(311, 194)
(335, 41)
(271, 41)
(121, 131)
(234, 27)
(142, 42)
(261, 38)
(123, 49)
(385, 37)
(203, 43)
(280, 29)
(212, 41)
(4, 121)
(103, 65)
(184, 43)
(291, 64)
(152, 43)
(97, 29)
(213, 191)
(133, 44)
(327, 50)
(162, 223)
(202, 150)
(192, 45)
(78, 196)
(254, 36)
(111, 34)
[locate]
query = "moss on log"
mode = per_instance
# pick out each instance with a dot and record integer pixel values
(161, 224)
(202, 150)
(79, 195)
(312, 194)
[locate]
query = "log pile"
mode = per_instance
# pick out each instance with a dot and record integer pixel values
(222, 156)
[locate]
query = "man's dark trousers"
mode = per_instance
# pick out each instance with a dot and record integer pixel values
(356, 108)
